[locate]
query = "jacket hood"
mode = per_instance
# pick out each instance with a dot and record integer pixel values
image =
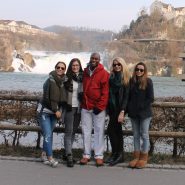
(97, 69)
(59, 80)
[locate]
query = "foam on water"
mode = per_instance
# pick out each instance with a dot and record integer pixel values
(45, 61)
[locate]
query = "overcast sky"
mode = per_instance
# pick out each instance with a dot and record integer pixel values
(101, 14)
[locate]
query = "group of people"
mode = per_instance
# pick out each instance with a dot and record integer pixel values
(86, 97)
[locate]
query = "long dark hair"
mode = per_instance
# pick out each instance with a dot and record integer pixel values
(69, 72)
(72, 76)
(142, 79)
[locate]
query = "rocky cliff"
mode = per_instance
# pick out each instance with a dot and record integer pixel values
(6, 50)
(154, 39)
(19, 36)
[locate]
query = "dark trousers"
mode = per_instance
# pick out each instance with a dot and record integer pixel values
(115, 134)
(72, 121)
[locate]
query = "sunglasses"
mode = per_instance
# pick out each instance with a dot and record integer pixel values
(62, 68)
(138, 69)
(118, 64)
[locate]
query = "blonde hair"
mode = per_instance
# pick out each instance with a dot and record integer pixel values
(124, 69)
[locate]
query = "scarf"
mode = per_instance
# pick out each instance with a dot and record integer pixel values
(115, 85)
(76, 77)
(59, 80)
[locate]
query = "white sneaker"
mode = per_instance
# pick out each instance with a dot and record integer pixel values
(52, 163)
(43, 158)
(46, 162)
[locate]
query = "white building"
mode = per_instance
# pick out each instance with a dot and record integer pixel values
(22, 27)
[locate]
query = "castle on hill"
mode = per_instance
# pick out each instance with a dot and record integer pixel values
(169, 12)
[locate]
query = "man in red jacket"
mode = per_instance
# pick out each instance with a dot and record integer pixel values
(95, 99)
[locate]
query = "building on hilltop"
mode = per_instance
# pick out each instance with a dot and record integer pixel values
(169, 12)
(22, 27)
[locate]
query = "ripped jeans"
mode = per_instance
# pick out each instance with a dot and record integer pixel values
(47, 123)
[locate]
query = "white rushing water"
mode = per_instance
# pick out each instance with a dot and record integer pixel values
(46, 60)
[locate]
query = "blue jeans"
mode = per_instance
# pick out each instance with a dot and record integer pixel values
(140, 129)
(47, 123)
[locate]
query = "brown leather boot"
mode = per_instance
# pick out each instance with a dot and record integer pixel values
(143, 159)
(99, 162)
(84, 161)
(136, 155)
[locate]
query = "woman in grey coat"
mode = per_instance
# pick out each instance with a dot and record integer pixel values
(74, 96)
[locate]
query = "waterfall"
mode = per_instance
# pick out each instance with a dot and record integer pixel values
(46, 60)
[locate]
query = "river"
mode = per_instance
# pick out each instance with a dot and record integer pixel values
(32, 82)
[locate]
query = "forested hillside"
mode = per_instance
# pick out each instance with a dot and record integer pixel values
(91, 39)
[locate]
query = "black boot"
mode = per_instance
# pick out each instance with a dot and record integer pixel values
(111, 158)
(70, 160)
(64, 156)
(118, 159)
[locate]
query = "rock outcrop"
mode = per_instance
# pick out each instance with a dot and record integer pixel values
(27, 59)
(20, 36)
(5, 55)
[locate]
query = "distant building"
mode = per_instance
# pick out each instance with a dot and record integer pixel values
(22, 27)
(168, 11)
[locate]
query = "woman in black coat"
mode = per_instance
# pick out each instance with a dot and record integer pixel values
(118, 97)
(140, 112)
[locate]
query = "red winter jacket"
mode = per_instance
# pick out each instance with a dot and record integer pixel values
(95, 88)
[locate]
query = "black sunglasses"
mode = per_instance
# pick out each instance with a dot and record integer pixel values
(63, 68)
(118, 64)
(138, 69)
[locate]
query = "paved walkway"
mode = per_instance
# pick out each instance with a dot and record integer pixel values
(29, 171)
(122, 165)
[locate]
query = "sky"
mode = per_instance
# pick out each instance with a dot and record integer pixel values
(99, 14)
